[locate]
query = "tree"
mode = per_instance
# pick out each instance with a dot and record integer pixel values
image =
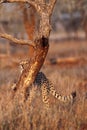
(40, 43)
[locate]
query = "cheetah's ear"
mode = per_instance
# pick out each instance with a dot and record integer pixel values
(13, 87)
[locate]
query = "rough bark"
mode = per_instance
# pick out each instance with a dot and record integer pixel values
(35, 64)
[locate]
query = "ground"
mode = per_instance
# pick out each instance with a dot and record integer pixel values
(66, 76)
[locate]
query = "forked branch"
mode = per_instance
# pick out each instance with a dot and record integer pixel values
(51, 6)
(17, 41)
(37, 4)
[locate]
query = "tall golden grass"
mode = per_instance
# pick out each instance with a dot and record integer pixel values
(35, 116)
(60, 116)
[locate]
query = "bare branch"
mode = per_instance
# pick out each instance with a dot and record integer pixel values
(31, 2)
(17, 41)
(51, 5)
(11, 1)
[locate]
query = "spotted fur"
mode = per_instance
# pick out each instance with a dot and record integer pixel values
(47, 88)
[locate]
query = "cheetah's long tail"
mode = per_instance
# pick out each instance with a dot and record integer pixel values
(68, 98)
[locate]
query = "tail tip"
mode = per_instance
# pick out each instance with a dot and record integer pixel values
(74, 94)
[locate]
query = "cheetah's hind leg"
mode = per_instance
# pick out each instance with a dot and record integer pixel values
(45, 95)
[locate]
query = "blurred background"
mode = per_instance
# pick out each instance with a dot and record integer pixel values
(65, 64)
(69, 22)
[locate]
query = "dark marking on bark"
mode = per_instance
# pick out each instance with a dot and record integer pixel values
(44, 41)
(73, 94)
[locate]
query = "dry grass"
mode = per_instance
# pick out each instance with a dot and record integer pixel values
(60, 116)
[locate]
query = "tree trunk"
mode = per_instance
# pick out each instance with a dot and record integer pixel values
(41, 48)
(29, 74)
